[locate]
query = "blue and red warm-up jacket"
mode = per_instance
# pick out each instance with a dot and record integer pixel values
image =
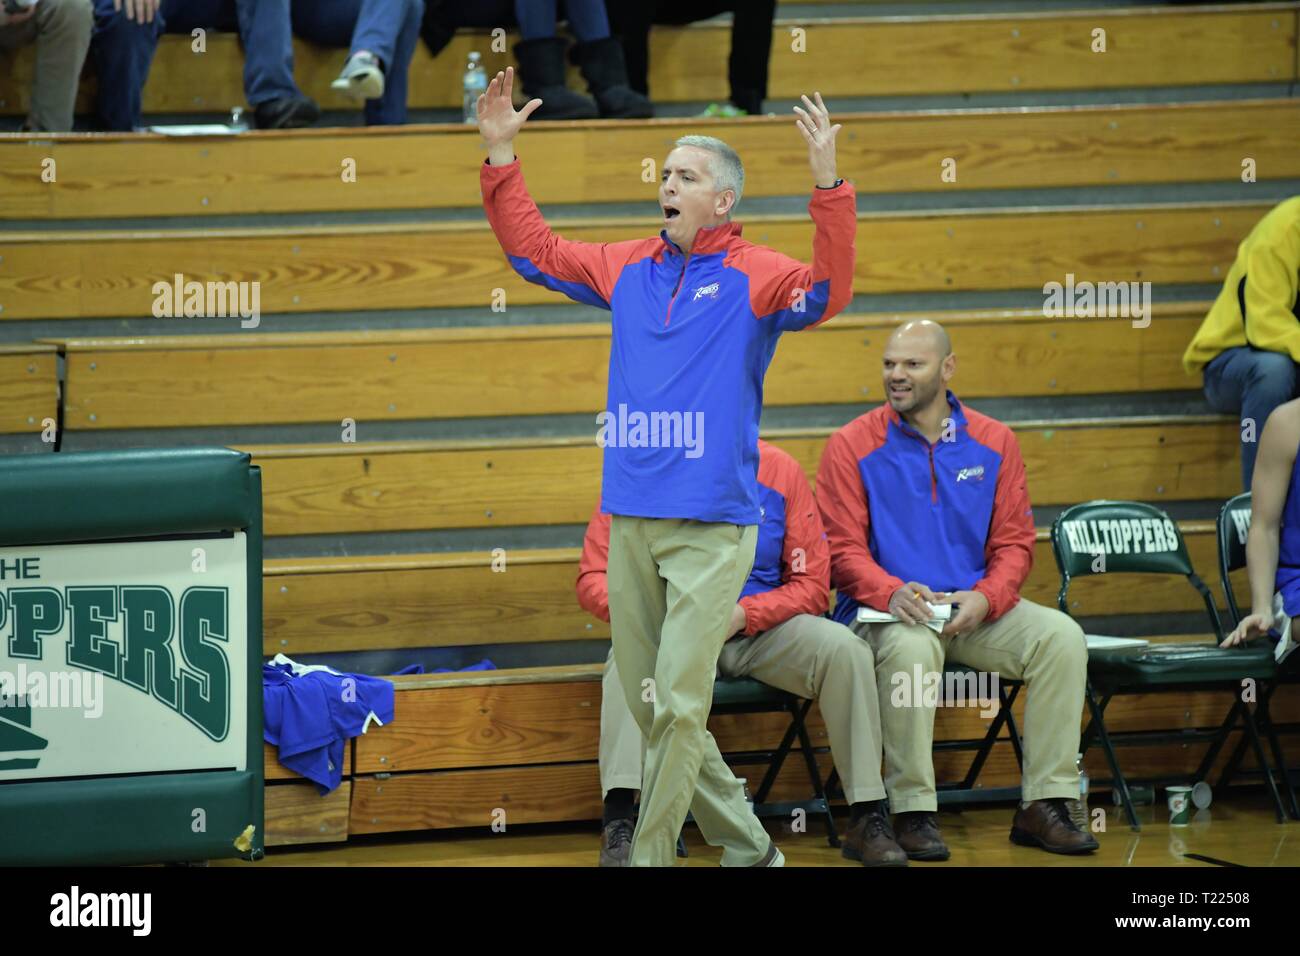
(691, 337)
(953, 515)
(792, 562)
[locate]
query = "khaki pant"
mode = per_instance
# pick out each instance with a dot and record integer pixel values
(673, 584)
(61, 31)
(806, 655)
(1041, 646)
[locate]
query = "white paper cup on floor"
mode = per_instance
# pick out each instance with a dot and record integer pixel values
(1180, 805)
(1202, 796)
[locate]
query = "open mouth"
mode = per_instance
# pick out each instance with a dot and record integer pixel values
(900, 391)
(670, 213)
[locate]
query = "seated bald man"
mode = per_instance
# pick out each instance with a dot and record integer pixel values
(779, 636)
(924, 500)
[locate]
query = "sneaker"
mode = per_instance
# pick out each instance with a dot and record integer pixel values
(616, 842)
(362, 77)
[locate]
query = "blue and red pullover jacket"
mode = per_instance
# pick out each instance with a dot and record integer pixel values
(792, 562)
(954, 516)
(690, 339)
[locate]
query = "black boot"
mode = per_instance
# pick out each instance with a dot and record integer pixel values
(601, 62)
(541, 68)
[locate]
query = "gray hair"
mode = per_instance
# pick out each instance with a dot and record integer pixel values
(726, 168)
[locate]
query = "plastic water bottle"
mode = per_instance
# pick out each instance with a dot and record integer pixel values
(475, 85)
(1080, 815)
(237, 122)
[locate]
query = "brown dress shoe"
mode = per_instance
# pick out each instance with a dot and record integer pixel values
(1050, 824)
(616, 842)
(871, 842)
(918, 835)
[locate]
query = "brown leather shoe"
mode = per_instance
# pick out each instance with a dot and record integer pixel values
(918, 835)
(1049, 824)
(871, 842)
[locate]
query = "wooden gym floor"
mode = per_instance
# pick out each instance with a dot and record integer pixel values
(1237, 829)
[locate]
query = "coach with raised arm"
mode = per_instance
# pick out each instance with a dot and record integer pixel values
(780, 636)
(697, 312)
(925, 503)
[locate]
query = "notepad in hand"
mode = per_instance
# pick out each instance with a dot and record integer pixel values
(940, 614)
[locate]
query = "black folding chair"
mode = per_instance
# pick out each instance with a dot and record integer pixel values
(744, 695)
(963, 792)
(1130, 537)
(1232, 525)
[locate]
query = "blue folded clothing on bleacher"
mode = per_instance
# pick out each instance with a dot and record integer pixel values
(310, 712)
(483, 665)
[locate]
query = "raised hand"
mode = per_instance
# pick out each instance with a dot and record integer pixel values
(815, 125)
(498, 120)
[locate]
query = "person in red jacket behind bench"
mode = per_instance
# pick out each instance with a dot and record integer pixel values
(925, 503)
(778, 636)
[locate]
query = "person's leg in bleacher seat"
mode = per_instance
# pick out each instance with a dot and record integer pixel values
(823, 660)
(122, 48)
(1251, 383)
(630, 24)
(1047, 650)
(600, 58)
(265, 27)
(540, 53)
(394, 49)
(908, 734)
(751, 51)
(622, 752)
(751, 43)
(673, 585)
(61, 31)
(380, 36)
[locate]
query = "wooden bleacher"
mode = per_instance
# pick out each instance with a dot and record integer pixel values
(259, 378)
(29, 387)
(1020, 52)
(525, 738)
(386, 602)
(531, 737)
(104, 273)
(423, 167)
(398, 486)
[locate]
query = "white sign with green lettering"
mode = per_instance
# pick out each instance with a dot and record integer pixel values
(120, 658)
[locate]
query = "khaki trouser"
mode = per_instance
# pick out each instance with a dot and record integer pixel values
(807, 655)
(1041, 646)
(61, 31)
(673, 584)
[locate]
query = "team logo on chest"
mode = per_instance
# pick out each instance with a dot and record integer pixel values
(975, 473)
(710, 291)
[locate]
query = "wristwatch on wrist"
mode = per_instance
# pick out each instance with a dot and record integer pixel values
(838, 182)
